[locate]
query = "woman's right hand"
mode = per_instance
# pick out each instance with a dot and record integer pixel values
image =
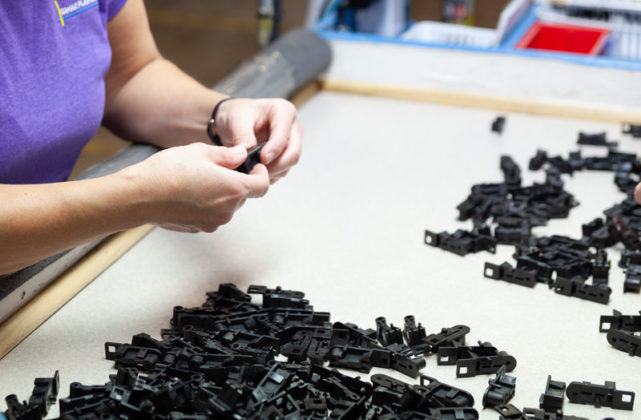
(194, 188)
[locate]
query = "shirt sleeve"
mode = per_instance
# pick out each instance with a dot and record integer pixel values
(114, 7)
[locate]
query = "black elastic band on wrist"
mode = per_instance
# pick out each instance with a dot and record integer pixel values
(211, 124)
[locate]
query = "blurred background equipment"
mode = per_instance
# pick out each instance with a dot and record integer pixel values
(459, 11)
(269, 17)
(620, 18)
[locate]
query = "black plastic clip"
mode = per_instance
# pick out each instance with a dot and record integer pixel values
(253, 159)
(461, 242)
(596, 139)
(448, 337)
(497, 124)
(45, 391)
(577, 287)
(536, 414)
(510, 274)
(508, 412)
(413, 333)
(632, 281)
(552, 399)
(500, 389)
(388, 334)
(600, 395)
(538, 160)
(475, 360)
(626, 341)
(631, 129)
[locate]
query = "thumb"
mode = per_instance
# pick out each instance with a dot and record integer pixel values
(229, 157)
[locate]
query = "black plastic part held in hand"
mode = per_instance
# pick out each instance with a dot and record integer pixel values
(600, 395)
(253, 159)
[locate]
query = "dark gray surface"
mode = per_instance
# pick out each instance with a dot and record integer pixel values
(278, 71)
(294, 60)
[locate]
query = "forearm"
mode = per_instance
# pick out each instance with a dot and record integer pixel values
(161, 105)
(40, 220)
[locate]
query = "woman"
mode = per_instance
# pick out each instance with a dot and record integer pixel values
(68, 65)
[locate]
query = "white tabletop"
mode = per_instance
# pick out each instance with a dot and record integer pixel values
(346, 227)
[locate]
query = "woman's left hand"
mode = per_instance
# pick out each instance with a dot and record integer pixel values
(252, 121)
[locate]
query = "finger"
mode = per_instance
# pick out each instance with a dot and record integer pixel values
(241, 129)
(227, 157)
(280, 128)
(257, 181)
(274, 178)
(637, 193)
(179, 228)
(290, 156)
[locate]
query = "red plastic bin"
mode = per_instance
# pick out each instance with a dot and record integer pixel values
(566, 38)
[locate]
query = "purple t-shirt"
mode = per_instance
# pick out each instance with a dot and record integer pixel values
(54, 55)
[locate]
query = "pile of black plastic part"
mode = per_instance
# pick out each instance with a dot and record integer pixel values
(506, 212)
(233, 359)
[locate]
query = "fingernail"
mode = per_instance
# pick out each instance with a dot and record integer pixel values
(240, 151)
(270, 156)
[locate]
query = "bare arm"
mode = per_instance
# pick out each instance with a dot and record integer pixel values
(191, 188)
(151, 100)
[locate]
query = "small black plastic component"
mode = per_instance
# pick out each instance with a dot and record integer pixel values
(538, 160)
(510, 274)
(552, 399)
(632, 281)
(413, 333)
(387, 334)
(536, 414)
(600, 395)
(253, 159)
(444, 395)
(497, 124)
(577, 287)
(461, 242)
(451, 413)
(20, 411)
(632, 129)
(626, 341)
(618, 321)
(45, 393)
(629, 257)
(475, 360)
(500, 389)
(596, 139)
(511, 171)
(448, 337)
(508, 412)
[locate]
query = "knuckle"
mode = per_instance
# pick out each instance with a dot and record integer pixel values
(285, 105)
